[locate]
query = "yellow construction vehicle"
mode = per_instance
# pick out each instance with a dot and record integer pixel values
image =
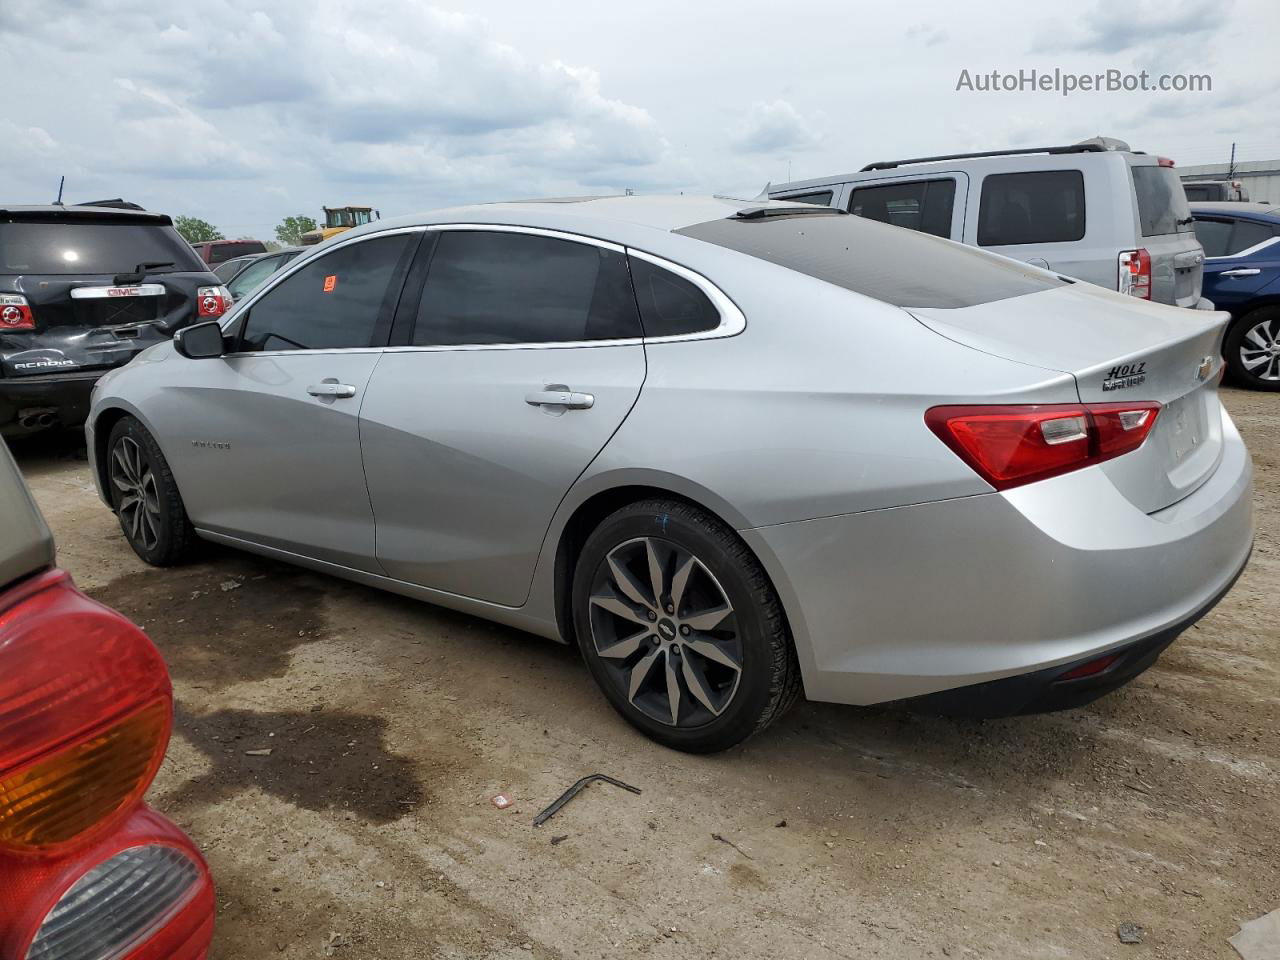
(337, 219)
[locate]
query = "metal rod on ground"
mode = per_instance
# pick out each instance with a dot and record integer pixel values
(573, 791)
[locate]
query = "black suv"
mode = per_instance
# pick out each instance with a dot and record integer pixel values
(84, 289)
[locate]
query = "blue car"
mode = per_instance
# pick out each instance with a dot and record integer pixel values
(1242, 275)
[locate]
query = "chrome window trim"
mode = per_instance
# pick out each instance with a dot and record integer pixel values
(532, 231)
(1248, 252)
(732, 320)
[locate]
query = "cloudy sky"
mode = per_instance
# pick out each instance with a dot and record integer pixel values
(244, 112)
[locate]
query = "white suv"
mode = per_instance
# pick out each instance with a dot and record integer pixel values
(1094, 210)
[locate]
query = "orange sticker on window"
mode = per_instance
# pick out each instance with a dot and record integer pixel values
(330, 282)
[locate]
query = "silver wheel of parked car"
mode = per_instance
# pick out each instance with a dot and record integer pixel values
(1260, 349)
(139, 500)
(666, 632)
(145, 495)
(1252, 349)
(681, 627)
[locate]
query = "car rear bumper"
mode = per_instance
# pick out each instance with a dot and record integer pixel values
(1029, 583)
(66, 396)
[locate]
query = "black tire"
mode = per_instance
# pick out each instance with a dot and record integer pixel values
(1235, 344)
(164, 536)
(754, 633)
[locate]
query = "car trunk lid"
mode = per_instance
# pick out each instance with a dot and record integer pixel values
(1119, 349)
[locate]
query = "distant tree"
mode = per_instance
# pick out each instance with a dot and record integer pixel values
(195, 230)
(291, 229)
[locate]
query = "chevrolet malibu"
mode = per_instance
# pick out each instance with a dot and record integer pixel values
(733, 451)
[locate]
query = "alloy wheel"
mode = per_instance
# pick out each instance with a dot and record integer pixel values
(665, 632)
(139, 498)
(1260, 350)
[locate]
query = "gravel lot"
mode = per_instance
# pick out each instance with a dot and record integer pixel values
(842, 832)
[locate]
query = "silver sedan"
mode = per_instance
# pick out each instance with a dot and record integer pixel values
(733, 451)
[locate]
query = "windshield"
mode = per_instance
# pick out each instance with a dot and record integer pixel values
(1162, 204)
(339, 218)
(903, 267)
(76, 247)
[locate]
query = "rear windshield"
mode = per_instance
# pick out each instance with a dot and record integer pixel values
(75, 247)
(219, 252)
(1161, 201)
(1208, 191)
(901, 267)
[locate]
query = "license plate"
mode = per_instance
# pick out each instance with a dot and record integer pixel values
(1187, 425)
(107, 293)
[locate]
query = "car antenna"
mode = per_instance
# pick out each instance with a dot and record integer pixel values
(61, 183)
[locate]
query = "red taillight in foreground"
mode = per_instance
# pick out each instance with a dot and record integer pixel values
(87, 871)
(1134, 277)
(212, 302)
(15, 313)
(1012, 445)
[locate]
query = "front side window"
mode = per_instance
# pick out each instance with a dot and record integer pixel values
(343, 299)
(1214, 236)
(1248, 234)
(494, 287)
(923, 205)
(1040, 207)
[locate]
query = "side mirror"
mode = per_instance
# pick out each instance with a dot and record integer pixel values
(200, 341)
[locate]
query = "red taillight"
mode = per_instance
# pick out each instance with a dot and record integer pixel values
(1011, 445)
(212, 302)
(15, 313)
(1135, 273)
(85, 711)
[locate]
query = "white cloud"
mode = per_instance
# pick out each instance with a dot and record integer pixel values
(776, 127)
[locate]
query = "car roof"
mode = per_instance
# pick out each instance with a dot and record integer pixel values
(26, 545)
(1046, 158)
(1248, 208)
(44, 211)
(665, 212)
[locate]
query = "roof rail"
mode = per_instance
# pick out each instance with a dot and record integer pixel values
(1087, 147)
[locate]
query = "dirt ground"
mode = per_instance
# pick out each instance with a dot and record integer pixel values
(368, 831)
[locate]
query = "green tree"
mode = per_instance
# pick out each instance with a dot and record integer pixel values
(291, 229)
(195, 230)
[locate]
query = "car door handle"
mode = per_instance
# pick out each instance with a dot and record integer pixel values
(560, 398)
(331, 389)
(1242, 272)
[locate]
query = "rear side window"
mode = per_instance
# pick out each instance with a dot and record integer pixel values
(1041, 207)
(822, 198)
(496, 287)
(923, 205)
(670, 305)
(1162, 201)
(1214, 236)
(1202, 192)
(343, 299)
(76, 247)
